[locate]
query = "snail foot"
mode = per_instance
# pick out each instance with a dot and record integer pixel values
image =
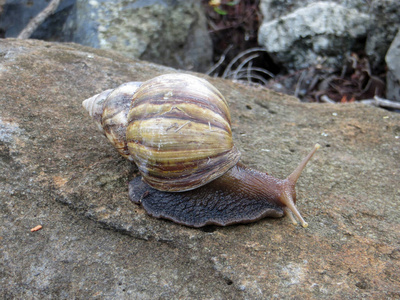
(200, 207)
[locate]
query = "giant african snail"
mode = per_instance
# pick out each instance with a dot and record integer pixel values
(177, 129)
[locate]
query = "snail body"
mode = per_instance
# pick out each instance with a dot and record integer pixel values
(177, 129)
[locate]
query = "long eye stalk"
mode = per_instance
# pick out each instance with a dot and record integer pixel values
(288, 191)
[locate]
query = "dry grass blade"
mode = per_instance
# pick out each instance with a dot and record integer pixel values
(220, 61)
(245, 69)
(242, 64)
(238, 57)
(252, 77)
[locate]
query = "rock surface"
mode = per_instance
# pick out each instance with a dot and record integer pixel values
(386, 22)
(320, 32)
(380, 28)
(56, 170)
(393, 74)
(18, 13)
(170, 32)
(272, 9)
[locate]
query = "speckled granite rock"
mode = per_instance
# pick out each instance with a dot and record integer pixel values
(169, 32)
(383, 14)
(322, 32)
(58, 171)
(393, 73)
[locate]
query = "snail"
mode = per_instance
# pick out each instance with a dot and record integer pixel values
(177, 129)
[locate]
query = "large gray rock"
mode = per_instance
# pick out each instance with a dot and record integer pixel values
(17, 14)
(169, 32)
(393, 73)
(320, 32)
(58, 171)
(386, 22)
(272, 9)
(383, 14)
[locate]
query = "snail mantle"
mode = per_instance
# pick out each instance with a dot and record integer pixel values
(177, 129)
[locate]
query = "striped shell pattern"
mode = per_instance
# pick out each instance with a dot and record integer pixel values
(175, 127)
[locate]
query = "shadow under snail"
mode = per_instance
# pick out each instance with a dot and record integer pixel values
(177, 130)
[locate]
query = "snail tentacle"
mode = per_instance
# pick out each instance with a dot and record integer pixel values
(288, 190)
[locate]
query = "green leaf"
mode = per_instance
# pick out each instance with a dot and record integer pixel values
(220, 11)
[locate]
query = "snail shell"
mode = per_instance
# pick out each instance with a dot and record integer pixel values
(175, 127)
(109, 110)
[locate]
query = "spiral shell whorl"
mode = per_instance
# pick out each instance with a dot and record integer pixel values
(109, 110)
(175, 127)
(94, 106)
(179, 132)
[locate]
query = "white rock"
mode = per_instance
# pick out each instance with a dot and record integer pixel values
(393, 74)
(320, 30)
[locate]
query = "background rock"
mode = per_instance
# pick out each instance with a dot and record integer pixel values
(2, 2)
(272, 9)
(320, 32)
(393, 74)
(375, 40)
(17, 14)
(169, 32)
(58, 171)
(386, 22)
